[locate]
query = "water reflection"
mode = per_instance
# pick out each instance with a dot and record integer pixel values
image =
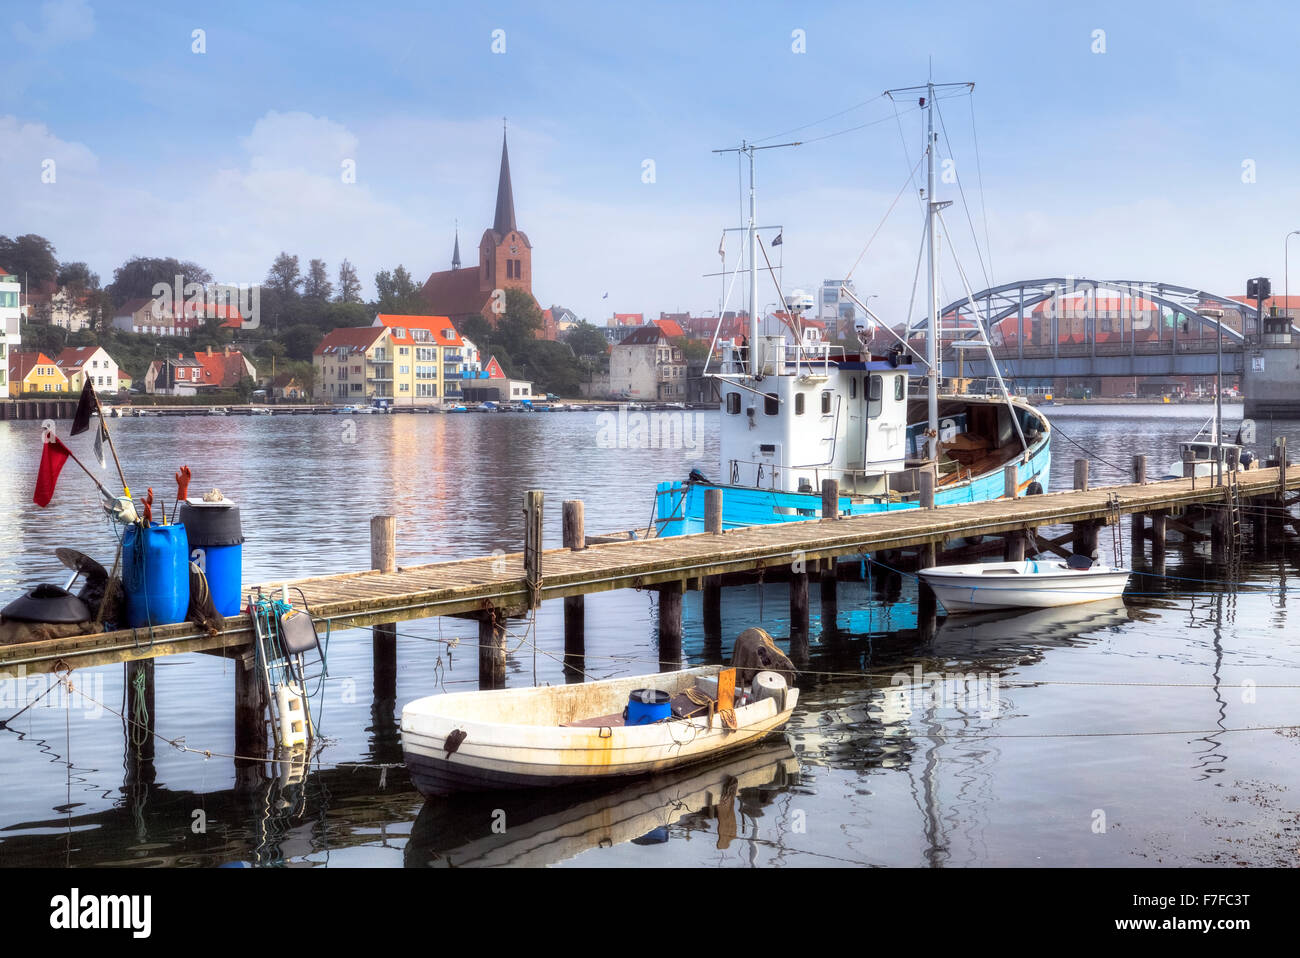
(547, 826)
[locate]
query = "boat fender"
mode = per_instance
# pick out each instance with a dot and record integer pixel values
(769, 685)
(1035, 488)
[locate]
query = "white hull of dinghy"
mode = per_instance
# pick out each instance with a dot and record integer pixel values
(1031, 584)
(520, 738)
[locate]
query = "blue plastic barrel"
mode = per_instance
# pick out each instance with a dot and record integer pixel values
(217, 547)
(156, 574)
(647, 706)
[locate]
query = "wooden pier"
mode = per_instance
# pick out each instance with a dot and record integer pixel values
(492, 589)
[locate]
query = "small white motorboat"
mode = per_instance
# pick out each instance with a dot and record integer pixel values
(1033, 583)
(566, 734)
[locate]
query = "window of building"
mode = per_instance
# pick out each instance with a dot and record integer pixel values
(404, 370)
(798, 404)
(771, 404)
(404, 387)
(403, 351)
(399, 332)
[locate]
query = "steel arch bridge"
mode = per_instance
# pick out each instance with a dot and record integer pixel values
(1071, 326)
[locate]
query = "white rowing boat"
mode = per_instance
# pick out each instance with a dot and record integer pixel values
(1034, 583)
(557, 735)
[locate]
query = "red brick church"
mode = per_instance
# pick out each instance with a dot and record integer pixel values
(505, 260)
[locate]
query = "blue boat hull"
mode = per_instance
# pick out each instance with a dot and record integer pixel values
(679, 506)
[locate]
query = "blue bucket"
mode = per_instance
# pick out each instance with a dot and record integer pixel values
(647, 706)
(156, 575)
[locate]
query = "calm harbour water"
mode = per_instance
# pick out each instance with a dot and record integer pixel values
(1088, 737)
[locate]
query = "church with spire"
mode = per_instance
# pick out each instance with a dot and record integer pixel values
(505, 261)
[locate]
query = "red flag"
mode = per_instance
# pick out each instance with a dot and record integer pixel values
(53, 455)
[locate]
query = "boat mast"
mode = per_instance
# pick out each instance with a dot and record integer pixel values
(754, 365)
(932, 331)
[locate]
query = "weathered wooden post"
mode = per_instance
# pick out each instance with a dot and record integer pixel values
(492, 649)
(533, 546)
(670, 626)
(138, 676)
(1140, 470)
(1085, 538)
(383, 638)
(830, 499)
(250, 723)
(830, 600)
(1081, 475)
(799, 598)
(1158, 542)
(1137, 520)
(1013, 543)
(575, 625)
(713, 583)
(1218, 532)
(925, 487)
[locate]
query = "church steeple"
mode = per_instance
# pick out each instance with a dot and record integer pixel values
(455, 253)
(505, 217)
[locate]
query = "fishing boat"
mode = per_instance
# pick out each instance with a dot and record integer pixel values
(1204, 455)
(582, 733)
(1033, 583)
(797, 410)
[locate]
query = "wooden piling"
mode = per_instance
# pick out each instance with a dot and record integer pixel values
(798, 598)
(1140, 470)
(575, 625)
(533, 546)
(1158, 525)
(713, 583)
(1085, 538)
(670, 626)
(830, 599)
(250, 724)
(1011, 481)
(1081, 475)
(830, 499)
(492, 649)
(1014, 547)
(1218, 533)
(925, 487)
(713, 511)
(139, 678)
(383, 637)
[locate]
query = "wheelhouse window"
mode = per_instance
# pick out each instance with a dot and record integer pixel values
(733, 404)
(798, 404)
(875, 387)
(771, 404)
(853, 387)
(826, 402)
(898, 388)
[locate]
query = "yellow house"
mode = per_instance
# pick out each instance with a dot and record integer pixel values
(35, 373)
(426, 358)
(354, 364)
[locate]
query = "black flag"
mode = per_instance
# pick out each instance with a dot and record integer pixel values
(777, 241)
(81, 421)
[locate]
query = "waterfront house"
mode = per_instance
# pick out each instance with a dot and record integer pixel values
(80, 362)
(646, 366)
(34, 373)
(172, 377)
(426, 354)
(354, 364)
(288, 386)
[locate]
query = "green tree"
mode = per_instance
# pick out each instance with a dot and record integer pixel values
(349, 285)
(587, 340)
(517, 327)
(316, 285)
(551, 367)
(136, 278)
(300, 340)
(398, 293)
(30, 258)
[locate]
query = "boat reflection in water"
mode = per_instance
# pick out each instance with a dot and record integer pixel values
(535, 828)
(955, 676)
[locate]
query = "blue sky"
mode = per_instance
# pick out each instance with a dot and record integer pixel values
(1126, 163)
